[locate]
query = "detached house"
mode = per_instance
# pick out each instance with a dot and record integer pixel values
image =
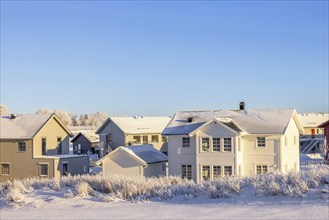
(37, 145)
(84, 142)
(205, 145)
(129, 131)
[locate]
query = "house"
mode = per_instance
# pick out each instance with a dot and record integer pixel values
(325, 127)
(140, 160)
(128, 131)
(37, 146)
(86, 141)
(312, 139)
(311, 122)
(205, 145)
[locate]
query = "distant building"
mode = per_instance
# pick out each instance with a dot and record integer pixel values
(141, 160)
(205, 145)
(86, 142)
(311, 121)
(129, 131)
(37, 145)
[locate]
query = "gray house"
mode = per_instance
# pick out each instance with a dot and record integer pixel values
(84, 142)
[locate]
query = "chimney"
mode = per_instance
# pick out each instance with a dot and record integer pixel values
(242, 106)
(13, 116)
(190, 119)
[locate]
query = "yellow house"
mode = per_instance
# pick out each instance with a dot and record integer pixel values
(37, 145)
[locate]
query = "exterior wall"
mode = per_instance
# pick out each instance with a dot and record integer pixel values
(117, 137)
(178, 156)
(326, 143)
(21, 164)
(158, 145)
(253, 155)
(155, 169)
(308, 131)
(290, 151)
(51, 131)
(121, 164)
(84, 144)
(214, 158)
(75, 165)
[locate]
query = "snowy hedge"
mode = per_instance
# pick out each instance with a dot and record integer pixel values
(108, 189)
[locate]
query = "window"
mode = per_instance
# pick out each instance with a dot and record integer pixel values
(227, 144)
(228, 170)
(21, 146)
(186, 142)
(205, 144)
(261, 169)
(108, 138)
(261, 142)
(145, 139)
(137, 139)
(187, 171)
(59, 145)
(164, 139)
(43, 169)
(155, 138)
(205, 173)
(217, 172)
(44, 146)
(216, 144)
(5, 169)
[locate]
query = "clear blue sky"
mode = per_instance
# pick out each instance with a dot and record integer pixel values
(155, 58)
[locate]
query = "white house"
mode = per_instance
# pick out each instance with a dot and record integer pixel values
(205, 145)
(143, 160)
(128, 131)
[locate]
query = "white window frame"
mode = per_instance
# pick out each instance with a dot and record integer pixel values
(213, 144)
(209, 172)
(261, 168)
(5, 163)
(231, 144)
(42, 164)
(262, 143)
(232, 170)
(213, 172)
(185, 144)
(187, 171)
(201, 141)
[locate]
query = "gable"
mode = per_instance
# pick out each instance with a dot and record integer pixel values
(55, 127)
(216, 129)
(123, 159)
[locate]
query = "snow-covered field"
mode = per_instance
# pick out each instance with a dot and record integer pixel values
(272, 196)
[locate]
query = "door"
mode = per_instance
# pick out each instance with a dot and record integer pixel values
(65, 169)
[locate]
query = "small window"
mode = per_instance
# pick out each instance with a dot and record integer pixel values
(155, 138)
(261, 142)
(227, 144)
(44, 146)
(108, 138)
(59, 145)
(216, 144)
(186, 142)
(217, 172)
(137, 139)
(21, 146)
(43, 169)
(145, 139)
(187, 171)
(5, 169)
(205, 144)
(261, 169)
(228, 170)
(164, 139)
(205, 173)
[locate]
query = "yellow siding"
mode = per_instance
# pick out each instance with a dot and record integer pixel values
(157, 145)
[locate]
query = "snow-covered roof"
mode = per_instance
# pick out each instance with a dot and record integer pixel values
(252, 121)
(312, 120)
(138, 125)
(23, 126)
(148, 153)
(89, 134)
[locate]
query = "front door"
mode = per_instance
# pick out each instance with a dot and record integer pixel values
(65, 170)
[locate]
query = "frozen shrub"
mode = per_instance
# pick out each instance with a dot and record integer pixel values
(55, 185)
(69, 194)
(83, 189)
(14, 195)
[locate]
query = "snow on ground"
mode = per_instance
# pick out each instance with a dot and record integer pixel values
(52, 206)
